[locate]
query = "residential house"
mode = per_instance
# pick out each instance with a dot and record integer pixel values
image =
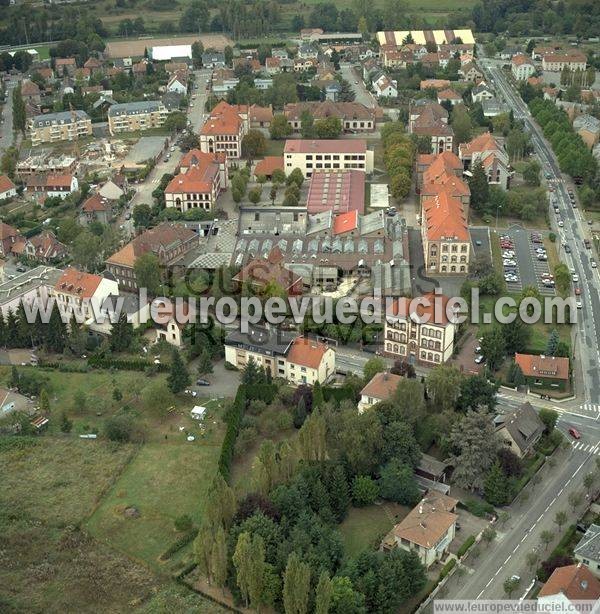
(273, 66)
(588, 128)
(307, 51)
(544, 372)
(557, 61)
(111, 189)
(520, 430)
(304, 64)
(224, 130)
(213, 60)
(93, 64)
(96, 208)
(260, 117)
(470, 72)
(8, 237)
(167, 241)
(51, 185)
(384, 87)
(381, 387)
(482, 92)
(63, 126)
(298, 360)
(491, 153)
(7, 188)
(522, 67)
(310, 155)
(418, 332)
(280, 53)
(45, 73)
(494, 107)
(171, 323)
(30, 92)
(43, 247)
(65, 66)
(430, 119)
(267, 271)
(75, 292)
(263, 84)
(449, 95)
(354, 116)
(136, 116)
(332, 91)
(199, 182)
(178, 84)
(566, 586)
(32, 287)
(587, 550)
(427, 530)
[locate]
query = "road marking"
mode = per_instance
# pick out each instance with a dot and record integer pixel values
(489, 582)
(507, 559)
(541, 516)
(479, 595)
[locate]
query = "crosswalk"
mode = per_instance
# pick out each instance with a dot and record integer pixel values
(590, 407)
(590, 448)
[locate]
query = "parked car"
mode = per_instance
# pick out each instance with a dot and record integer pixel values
(202, 382)
(575, 277)
(587, 243)
(594, 264)
(479, 359)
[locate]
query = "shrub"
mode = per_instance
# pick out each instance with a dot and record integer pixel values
(184, 540)
(468, 543)
(119, 428)
(446, 568)
(364, 490)
(479, 508)
(183, 523)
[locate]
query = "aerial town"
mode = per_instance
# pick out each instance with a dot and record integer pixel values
(171, 175)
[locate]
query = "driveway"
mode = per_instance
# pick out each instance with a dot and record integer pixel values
(480, 242)
(361, 93)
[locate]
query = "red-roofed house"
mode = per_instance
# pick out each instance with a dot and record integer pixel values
(199, 185)
(486, 149)
(522, 67)
(544, 371)
(566, 585)
(45, 186)
(431, 119)
(75, 291)
(309, 361)
(8, 237)
(95, 209)
(7, 188)
(381, 388)
(224, 130)
(419, 330)
(266, 271)
(449, 95)
(44, 247)
(268, 165)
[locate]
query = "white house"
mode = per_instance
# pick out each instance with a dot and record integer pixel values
(381, 388)
(7, 188)
(522, 67)
(385, 87)
(177, 84)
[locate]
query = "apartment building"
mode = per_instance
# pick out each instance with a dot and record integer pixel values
(63, 126)
(298, 360)
(309, 155)
(556, 61)
(355, 117)
(224, 130)
(136, 116)
(419, 333)
(201, 179)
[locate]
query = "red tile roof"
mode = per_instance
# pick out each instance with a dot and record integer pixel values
(224, 119)
(435, 310)
(6, 184)
(268, 165)
(307, 352)
(576, 582)
(77, 283)
(445, 217)
(520, 59)
(552, 367)
(6, 231)
(382, 386)
(345, 222)
(261, 271)
(95, 203)
(198, 179)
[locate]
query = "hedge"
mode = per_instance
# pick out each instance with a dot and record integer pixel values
(478, 508)
(177, 545)
(468, 543)
(446, 568)
(529, 473)
(100, 362)
(337, 394)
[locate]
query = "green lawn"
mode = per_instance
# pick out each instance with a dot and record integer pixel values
(364, 527)
(274, 148)
(164, 481)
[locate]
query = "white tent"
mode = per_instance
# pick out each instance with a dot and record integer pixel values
(167, 52)
(198, 412)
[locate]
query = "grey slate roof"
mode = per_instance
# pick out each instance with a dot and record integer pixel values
(64, 117)
(269, 342)
(523, 425)
(134, 108)
(589, 545)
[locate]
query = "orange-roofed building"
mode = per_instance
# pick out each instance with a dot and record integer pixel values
(488, 150)
(547, 372)
(345, 222)
(75, 291)
(522, 67)
(9, 236)
(420, 330)
(224, 130)
(309, 361)
(566, 585)
(381, 388)
(201, 179)
(7, 188)
(268, 165)
(95, 209)
(449, 95)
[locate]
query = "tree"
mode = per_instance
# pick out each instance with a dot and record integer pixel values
(178, 377)
(344, 599)
(121, 334)
(480, 189)
(278, 177)
(65, 424)
(44, 402)
(552, 343)
(364, 490)
(488, 535)
(254, 195)
(497, 488)
(560, 518)
(531, 173)
(295, 177)
(254, 144)
(242, 561)
(397, 483)
(296, 584)
(339, 493)
(19, 110)
(56, 332)
(323, 594)
(575, 499)
(279, 128)
(218, 558)
(461, 124)
(588, 481)
(511, 584)
(546, 537)
(532, 558)
(176, 120)
(517, 335)
(444, 386)
(142, 215)
(475, 439)
(476, 391)
(400, 184)
(205, 362)
(328, 127)
(549, 417)
(147, 273)
(307, 124)
(372, 367)
(493, 347)
(399, 442)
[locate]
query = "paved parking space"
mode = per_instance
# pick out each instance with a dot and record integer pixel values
(529, 269)
(480, 241)
(513, 245)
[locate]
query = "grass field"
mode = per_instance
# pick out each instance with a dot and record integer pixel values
(48, 489)
(164, 481)
(364, 527)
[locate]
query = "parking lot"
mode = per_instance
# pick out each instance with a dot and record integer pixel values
(525, 261)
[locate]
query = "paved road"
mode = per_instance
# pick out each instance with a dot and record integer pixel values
(6, 127)
(356, 83)
(197, 113)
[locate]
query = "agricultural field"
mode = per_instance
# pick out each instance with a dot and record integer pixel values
(135, 47)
